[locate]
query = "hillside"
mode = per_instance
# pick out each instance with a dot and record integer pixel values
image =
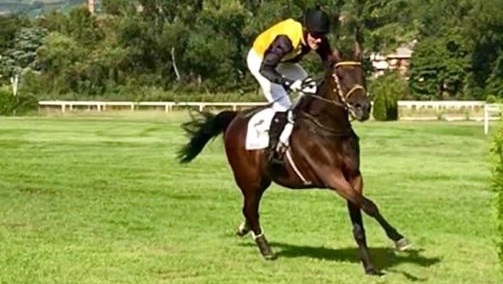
(36, 7)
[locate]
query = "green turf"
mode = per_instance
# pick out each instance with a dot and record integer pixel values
(102, 200)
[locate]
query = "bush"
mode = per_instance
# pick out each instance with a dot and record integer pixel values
(491, 99)
(385, 91)
(497, 183)
(16, 105)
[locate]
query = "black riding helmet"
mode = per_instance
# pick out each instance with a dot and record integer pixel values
(316, 21)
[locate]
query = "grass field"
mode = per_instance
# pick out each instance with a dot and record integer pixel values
(102, 200)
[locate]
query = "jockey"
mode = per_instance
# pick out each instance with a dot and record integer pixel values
(273, 61)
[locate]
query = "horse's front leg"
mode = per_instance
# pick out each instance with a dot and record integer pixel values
(355, 215)
(338, 183)
(371, 209)
(361, 241)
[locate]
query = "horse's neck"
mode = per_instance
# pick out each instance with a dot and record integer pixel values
(329, 113)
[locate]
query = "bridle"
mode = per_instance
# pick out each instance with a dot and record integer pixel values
(338, 84)
(341, 102)
(343, 97)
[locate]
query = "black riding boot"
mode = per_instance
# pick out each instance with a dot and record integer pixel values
(274, 157)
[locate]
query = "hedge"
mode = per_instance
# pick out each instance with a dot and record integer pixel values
(385, 91)
(497, 184)
(16, 105)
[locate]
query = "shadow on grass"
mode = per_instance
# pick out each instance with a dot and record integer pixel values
(383, 258)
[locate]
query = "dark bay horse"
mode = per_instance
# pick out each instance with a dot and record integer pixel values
(324, 152)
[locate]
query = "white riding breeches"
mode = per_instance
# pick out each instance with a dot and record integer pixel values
(272, 91)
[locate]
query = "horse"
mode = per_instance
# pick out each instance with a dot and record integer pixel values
(323, 153)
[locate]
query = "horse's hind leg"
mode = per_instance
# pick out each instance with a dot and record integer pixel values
(248, 174)
(252, 193)
(245, 227)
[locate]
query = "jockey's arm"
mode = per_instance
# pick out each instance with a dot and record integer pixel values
(280, 47)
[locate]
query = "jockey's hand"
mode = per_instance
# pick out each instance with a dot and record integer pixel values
(306, 86)
(309, 86)
(295, 86)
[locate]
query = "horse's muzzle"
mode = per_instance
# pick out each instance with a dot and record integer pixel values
(361, 111)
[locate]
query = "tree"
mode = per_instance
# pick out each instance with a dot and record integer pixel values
(59, 58)
(10, 27)
(26, 43)
(437, 69)
(119, 8)
(440, 62)
(483, 33)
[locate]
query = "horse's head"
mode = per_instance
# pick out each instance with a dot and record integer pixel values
(347, 84)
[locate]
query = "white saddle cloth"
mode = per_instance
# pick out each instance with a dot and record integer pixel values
(257, 134)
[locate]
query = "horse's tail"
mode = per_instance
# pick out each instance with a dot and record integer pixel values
(201, 130)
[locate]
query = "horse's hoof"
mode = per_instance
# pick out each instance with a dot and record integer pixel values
(243, 230)
(374, 272)
(265, 248)
(403, 245)
(241, 233)
(271, 256)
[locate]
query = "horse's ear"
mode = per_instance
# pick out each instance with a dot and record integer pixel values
(336, 56)
(357, 51)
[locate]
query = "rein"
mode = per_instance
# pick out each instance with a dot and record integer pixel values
(348, 131)
(338, 89)
(342, 103)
